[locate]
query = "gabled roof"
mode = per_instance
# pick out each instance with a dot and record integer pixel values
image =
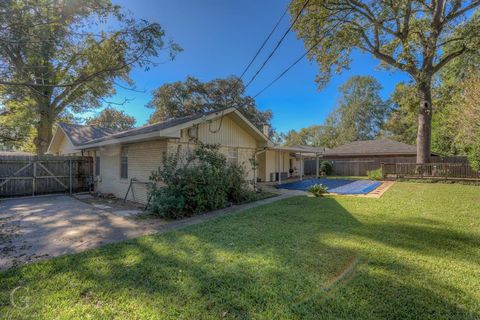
(84, 137)
(373, 147)
(80, 134)
(152, 127)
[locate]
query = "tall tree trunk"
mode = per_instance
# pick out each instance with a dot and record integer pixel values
(424, 122)
(44, 132)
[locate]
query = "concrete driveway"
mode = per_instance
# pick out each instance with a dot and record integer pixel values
(38, 228)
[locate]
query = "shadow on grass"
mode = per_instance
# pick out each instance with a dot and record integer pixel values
(296, 258)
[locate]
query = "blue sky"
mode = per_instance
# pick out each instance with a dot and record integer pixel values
(219, 37)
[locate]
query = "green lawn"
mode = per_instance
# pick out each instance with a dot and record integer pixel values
(413, 254)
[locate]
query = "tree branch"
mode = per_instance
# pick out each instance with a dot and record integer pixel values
(448, 58)
(455, 13)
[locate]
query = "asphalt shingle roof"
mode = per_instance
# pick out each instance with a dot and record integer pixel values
(80, 134)
(372, 147)
(83, 135)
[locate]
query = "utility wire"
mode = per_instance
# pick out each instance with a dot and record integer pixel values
(278, 44)
(325, 34)
(265, 42)
(286, 70)
(313, 46)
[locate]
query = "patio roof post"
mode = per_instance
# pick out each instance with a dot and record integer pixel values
(276, 167)
(281, 167)
(301, 166)
(316, 164)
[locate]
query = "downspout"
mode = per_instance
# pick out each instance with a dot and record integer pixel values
(255, 167)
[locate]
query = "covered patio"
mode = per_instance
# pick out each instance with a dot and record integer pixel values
(281, 163)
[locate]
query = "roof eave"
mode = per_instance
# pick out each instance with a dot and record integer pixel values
(174, 131)
(370, 154)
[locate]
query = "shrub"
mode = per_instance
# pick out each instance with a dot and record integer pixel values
(375, 174)
(474, 155)
(318, 190)
(326, 167)
(199, 182)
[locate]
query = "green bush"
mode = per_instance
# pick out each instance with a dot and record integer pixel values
(326, 167)
(200, 182)
(474, 155)
(375, 174)
(318, 190)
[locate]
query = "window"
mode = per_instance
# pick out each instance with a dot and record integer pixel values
(97, 166)
(124, 163)
(232, 155)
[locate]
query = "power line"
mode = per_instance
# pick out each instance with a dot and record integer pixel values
(315, 44)
(325, 34)
(278, 44)
(265, 42)
(285, 71)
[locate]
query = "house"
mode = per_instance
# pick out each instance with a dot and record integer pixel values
(131, 155)
(383, 150)
(358, 157)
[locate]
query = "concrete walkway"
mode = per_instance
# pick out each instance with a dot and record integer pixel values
(33, 229)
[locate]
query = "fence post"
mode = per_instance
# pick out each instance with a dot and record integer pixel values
(70, 174)
(34, 178)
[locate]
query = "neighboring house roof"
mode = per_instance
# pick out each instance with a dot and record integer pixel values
(84, 137)
(305, 150)
(373, 147)
(80, 134)
(312, 149)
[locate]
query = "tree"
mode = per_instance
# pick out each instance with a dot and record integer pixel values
(58, 55)
(112, 119)
(401, 124)
(448, 94)
(466, 119)
(414, 36)
(362, 112)
(180, 99)
(361, 115)
(16, 131)
(316, 136)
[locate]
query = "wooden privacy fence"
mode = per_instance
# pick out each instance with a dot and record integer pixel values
(33, 175)
(343, 167)
(447, 171)
(353, 168)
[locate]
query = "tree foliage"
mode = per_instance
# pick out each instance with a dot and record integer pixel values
(317, 136)
(454, 85)
(417, 37)
(16, 131)
(59, 56)
(360, 115)
(192, 96)
(401, 124)
(362, 111)
(113, 119)
(465, 120)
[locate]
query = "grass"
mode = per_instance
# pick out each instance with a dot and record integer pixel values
(412, 254)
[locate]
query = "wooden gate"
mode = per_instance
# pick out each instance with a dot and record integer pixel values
(34, 175)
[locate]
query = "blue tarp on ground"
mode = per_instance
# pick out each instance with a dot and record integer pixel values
(340, 186)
